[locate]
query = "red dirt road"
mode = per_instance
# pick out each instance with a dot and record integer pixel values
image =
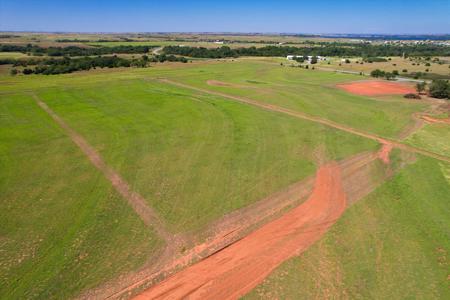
(235, 270)
(374, 88)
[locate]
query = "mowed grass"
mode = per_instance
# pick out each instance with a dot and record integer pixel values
(309, 91)
(196, 157)
(63, 228)
(432, 137)
(394, 244)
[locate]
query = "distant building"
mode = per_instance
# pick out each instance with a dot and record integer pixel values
(307, 58)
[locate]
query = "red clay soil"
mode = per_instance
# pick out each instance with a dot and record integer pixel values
(383, 154)
(375, 87)
(235, 270)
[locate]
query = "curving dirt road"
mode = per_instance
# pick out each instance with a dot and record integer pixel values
(235, 270)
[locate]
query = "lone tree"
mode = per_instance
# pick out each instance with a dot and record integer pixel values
(439, 89)
(377, 73)
(420, 87)
(389, 76)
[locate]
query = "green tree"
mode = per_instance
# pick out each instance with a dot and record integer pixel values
(389, 76)
(420, 87)
(439, 89)
(377, 73)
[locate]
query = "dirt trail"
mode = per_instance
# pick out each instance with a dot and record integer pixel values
(136, 201)
(435, 120)
(235, 270)
(304, 116)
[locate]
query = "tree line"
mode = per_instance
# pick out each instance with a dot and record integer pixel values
(331, 49)
(68, 65)
(75, 50)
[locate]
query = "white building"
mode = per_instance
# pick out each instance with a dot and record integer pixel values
(309, 57)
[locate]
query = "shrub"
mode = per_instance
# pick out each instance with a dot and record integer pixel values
(412, 96)
(405, 71)
(440, 89)
(27, 71)
(377, 73)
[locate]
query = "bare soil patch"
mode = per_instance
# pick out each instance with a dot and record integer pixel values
(383, 154)
(377, 87)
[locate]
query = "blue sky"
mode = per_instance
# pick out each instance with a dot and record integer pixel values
(347, 16)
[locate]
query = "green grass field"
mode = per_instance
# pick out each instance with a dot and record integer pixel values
(308, 91)
(63, 228)
(394, 244)
(194, 157)
(433, 137)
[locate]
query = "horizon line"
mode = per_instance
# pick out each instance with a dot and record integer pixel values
(225, 32)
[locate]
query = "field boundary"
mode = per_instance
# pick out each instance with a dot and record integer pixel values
(135, 200)
(305, 116)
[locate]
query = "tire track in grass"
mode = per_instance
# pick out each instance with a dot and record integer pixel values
(305, 116)
(135, 200)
